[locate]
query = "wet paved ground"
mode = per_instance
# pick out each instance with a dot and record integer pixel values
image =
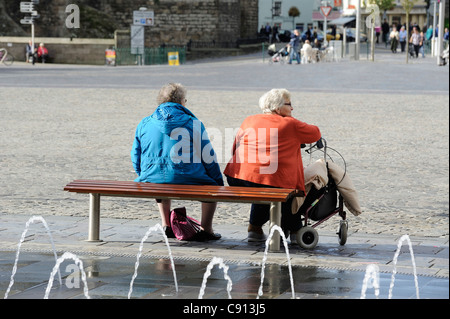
(329, 271)
(61, 123)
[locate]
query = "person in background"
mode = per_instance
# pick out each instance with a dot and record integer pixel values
(385, 32)
(42, 53)
(415, 41)
(294, 45)
(394, 36)
(30, 53)
(446, 36)
(421, 43)
(429, 33)
(402, 38)
(377, 33)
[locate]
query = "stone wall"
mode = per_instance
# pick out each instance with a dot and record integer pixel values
(176, 22)
(62, 50)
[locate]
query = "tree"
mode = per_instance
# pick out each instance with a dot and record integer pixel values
(383, 5)
(407, 6)
(294, 12)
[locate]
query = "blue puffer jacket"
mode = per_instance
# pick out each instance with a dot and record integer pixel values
(171, 146)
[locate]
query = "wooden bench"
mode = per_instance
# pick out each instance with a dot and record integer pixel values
(96, 189)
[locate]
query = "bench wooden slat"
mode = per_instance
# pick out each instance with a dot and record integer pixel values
(182, 191)
(152, 187)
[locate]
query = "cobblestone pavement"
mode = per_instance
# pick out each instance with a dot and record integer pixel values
(389, 120)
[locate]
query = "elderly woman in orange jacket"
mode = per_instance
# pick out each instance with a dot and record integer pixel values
(266, 153)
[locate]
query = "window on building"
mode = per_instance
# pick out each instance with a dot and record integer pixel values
(396, 20)
(277, 9)
(300, 26)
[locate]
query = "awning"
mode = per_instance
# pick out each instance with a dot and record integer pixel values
(341, 21)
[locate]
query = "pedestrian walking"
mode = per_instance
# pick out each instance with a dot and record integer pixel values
(394, 36)
(402, 38)
(294, 46)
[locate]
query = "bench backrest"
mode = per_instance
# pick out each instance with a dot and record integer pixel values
(191, 192)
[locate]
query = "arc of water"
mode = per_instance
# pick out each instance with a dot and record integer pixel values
(272, 230)
(78, 262)
(22, 238)
(397, 253)
(216, 261)
(136, 266)
(371, 279)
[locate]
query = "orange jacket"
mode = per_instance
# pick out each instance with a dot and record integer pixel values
(266, 150)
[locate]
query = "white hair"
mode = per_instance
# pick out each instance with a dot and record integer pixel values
(172, 92)
(273, 100)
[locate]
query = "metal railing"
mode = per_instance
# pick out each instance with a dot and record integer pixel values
(150, 56)
(223, 44)
(427, 46)
(341, 51)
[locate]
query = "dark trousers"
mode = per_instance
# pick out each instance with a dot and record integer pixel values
(403, 45)
(416, 50)
(260, 213)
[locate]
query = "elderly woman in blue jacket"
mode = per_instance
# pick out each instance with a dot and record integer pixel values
(171, 146)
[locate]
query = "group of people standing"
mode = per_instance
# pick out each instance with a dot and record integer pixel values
(417, 39)
(271, 33)
(294, 45)
(153, 155)
(396, 37)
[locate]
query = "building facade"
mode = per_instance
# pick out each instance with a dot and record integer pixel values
(396, 15)
(276, 12)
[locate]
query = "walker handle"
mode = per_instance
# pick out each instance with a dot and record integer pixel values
(319, 143)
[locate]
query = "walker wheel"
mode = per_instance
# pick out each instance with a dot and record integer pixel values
(342, 234)
(307, 237)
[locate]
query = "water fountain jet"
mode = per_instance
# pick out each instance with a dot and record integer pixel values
(79, 264)
(397, 253)
(216, 261)
(22, 238)
(371, 280)
(147, 234)
(272, 230)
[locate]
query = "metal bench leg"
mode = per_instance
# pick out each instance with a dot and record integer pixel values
(275, 219)
(94, 217)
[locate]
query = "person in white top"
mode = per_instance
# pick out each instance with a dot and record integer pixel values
(394, 39)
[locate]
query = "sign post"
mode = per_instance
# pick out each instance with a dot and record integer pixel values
(137, 42)
(28, 7)
(325, 12)
(141, 18)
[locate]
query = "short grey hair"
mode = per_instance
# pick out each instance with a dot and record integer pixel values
(273, 100)
(172, 92)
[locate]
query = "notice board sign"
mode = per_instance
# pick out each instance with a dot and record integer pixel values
(143, 18)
